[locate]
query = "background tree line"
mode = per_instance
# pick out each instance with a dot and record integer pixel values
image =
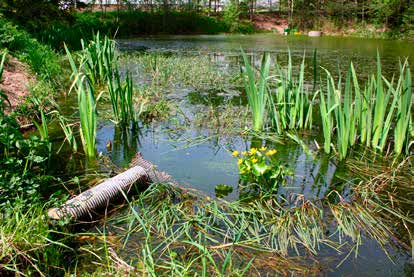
(302, 14)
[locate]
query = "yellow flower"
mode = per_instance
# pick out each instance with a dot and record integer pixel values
(244, 153)
(235, 153)
(254, 160)
(239, 161)
(253, 151)
(263, 149)
(271, 152)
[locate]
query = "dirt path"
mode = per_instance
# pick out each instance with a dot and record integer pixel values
(269, 22)
(15, 83)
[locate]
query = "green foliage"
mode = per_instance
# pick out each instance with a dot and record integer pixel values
(26, 241)
(43, 61)
(121, 95)
(256, 90)
(291, 104)
(98, 59)
(22, 163)
(231, 15)
(86, 106)
(260, 167)
(367, 116)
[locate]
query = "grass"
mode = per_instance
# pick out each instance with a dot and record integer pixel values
(86, 107)
(122, 96)
(183, 234)
(290, 105)
(280, 100)
(368, 116)
(256, 90)
(26, 244)
(99, 58)
(349, 115)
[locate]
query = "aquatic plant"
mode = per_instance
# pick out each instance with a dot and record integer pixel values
(2, 61)
(121, 95)
(290, 106)
(86, 106)
(261, 168)
(99, 58)
(256, 90)
(87, 115)
(367, 116)
(403, 129)
(182, 232)
(69, 134)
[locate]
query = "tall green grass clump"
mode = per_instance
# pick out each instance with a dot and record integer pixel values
(86, 106)
(290, 106)
(121, 95)
(281, 99)
(256, 90)
(27, 247)
(368, 116)
(99, 58)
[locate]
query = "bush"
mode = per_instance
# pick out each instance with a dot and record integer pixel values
(43, 61)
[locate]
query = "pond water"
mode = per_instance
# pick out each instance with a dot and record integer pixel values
(332, 51)
(200, 159)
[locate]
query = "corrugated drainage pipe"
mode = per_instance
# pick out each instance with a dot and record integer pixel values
(86, 204)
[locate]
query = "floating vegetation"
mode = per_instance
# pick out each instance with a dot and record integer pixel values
(179, 233)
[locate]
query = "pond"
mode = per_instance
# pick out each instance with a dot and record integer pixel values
(199, 157)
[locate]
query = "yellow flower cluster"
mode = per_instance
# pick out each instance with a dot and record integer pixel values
(254, 151)
(271, 152)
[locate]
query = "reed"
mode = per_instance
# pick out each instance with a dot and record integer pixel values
(69, 134)
(121, 95)
(403, 129)
(291, 104)
(256, 90)
(2, 61)
(367, 116)
(86, 106)
(187, 235)
(99, 58)
(87, 115)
